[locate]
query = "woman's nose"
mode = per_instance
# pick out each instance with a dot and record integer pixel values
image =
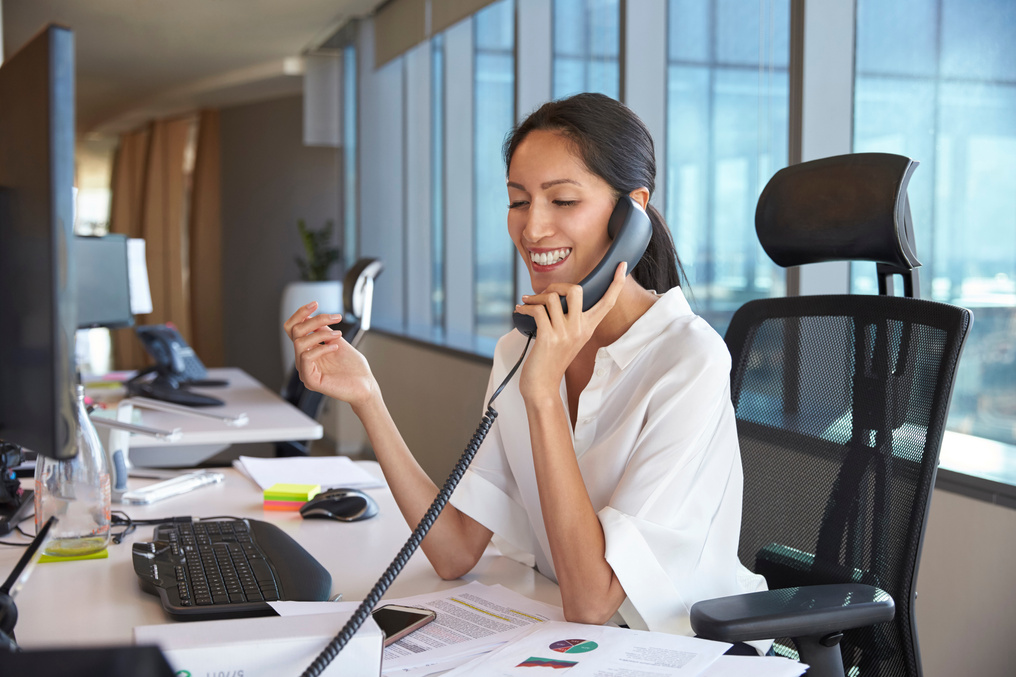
(539, 223)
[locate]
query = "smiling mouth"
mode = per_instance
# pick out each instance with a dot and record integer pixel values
(551, 257)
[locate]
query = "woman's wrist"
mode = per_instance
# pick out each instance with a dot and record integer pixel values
(540, 398)
(371, 403)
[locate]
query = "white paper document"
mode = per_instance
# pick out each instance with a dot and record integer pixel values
(328, 471)
(751, 666)
(471, 619)
(597, 651)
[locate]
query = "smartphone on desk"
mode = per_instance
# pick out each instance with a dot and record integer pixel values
(398, 621)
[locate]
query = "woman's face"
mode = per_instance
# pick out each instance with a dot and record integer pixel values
(557, 210)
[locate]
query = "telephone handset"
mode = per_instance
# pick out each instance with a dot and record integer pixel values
(630, 229)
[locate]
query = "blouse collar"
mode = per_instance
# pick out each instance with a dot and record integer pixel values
(660, 315)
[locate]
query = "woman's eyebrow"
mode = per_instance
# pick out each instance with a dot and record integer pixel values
(545, 185)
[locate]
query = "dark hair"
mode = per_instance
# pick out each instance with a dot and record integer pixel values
(615, 145)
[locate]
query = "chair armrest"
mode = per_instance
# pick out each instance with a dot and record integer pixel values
(815, 610)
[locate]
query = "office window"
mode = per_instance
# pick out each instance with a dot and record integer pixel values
(348, 150)
(587, 44)
(943, 92)
(437, 217)
(727, 121)
(494, 105)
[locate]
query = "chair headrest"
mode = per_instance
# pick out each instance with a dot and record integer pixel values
(353, 284)
(842, 208)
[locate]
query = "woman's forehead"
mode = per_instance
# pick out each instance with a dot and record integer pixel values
(543, 154)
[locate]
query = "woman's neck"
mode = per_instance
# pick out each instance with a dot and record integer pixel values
(632, 303)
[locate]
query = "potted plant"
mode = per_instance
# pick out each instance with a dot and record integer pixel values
(320, 255)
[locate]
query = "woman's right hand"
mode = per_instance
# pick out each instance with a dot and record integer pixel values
(327, 363)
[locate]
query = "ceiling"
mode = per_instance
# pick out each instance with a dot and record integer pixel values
(139, 59)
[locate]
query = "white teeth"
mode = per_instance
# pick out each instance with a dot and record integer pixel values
(548, 258)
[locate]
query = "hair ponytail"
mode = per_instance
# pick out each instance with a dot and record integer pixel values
(659, 268)
(615, 145)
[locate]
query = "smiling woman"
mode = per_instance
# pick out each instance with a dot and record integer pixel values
(614, 460)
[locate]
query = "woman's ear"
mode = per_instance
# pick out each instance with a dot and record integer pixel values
(640, 195)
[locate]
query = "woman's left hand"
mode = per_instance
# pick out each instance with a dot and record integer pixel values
(559, 335)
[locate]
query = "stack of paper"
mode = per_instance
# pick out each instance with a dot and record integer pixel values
(493, 631)
(472, 619)
(605, 651)
(328, 471)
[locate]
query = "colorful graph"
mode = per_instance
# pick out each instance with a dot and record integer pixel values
(573, 646)
(535, 662)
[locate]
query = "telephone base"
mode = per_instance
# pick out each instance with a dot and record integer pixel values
(173, 395)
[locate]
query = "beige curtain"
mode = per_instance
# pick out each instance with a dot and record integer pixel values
(166, 190)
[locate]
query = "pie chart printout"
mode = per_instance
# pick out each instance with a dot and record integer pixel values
(573, 646)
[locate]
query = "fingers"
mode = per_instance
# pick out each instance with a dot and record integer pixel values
(308, 341)
(315, 351)
(301, 314)
(550, 299)
(613, 291)
(303, 322)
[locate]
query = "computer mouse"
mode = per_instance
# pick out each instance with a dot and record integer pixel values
(345, 505)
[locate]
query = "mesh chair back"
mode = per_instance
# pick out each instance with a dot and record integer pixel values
(841, 404)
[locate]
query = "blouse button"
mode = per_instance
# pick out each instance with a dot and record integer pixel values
(601, 372)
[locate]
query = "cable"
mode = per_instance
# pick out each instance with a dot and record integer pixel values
(329, 653)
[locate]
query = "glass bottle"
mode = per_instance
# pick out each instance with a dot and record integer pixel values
(76, 491)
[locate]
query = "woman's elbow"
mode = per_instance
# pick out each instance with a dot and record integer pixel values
(450, 568)
(590, 614)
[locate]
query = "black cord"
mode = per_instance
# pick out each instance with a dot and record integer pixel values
(118, 517)
(329, 653)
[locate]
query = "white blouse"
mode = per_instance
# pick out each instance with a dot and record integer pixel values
(657, 446)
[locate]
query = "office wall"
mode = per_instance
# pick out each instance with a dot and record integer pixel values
(966, 588)
(435, 396)
(269, 181)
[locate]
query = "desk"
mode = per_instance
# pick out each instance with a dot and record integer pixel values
(90, 603)
(270, 419)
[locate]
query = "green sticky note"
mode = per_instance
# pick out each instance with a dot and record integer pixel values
(292, 492)
(102, 554)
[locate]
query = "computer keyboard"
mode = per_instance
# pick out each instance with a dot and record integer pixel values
(227, 569)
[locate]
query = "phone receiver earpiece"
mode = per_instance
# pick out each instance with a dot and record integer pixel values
(631, 230)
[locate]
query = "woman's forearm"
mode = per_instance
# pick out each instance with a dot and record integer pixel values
(590, 592)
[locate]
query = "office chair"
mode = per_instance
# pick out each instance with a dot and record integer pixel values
(357, 301)
(841, 404)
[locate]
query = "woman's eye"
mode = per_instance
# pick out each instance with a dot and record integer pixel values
(517, 204)
(566, 203)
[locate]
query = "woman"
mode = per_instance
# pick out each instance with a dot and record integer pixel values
(614, 458)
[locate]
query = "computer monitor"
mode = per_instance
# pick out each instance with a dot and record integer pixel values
(103, 282)
(38, 309)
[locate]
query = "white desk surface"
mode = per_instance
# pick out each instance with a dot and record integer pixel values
(270, 418)
(98, 602)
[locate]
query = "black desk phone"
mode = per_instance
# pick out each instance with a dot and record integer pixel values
(630, 229)
(171, 353)
(176, 367)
